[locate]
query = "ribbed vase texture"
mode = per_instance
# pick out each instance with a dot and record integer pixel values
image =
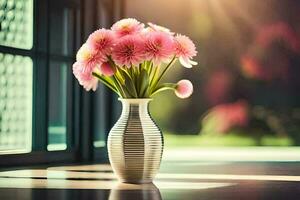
(135, 143)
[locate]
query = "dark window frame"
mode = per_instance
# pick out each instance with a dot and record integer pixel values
(80, 112)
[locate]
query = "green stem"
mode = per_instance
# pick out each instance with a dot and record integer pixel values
(164, 71)
(119, 86)
(150, 68)
(136, 81)
(164, 87)
(153, 75)
(134, 78)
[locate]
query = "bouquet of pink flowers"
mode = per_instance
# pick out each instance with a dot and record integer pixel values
(132, 59)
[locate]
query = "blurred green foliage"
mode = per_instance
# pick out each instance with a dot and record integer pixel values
(231, 139)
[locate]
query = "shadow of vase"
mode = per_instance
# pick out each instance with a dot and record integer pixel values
(124, 191)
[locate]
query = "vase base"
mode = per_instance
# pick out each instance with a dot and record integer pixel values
(136, 181)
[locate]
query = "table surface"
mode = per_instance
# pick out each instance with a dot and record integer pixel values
(178, 179)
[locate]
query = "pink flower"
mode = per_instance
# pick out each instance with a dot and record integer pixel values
(129, 50)
(88, 57)
(101, 41)
(84, 76)
(185, 49)
(127, 26)
(184, 89)
(158, 47)
(106, 69)
(155, 27)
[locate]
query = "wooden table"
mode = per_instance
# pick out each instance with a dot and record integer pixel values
(178, 179)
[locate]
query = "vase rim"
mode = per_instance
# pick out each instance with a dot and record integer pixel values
(135, 100)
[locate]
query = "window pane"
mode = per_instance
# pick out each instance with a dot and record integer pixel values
(57, 108)
(16, 23)
(15, 103)
(100, 117)
(61, 30)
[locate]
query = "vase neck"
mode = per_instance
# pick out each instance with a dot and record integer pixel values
(137, 105)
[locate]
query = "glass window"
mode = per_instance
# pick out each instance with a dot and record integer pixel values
(16, 23)
(57, 106)
(15, 103)
(16, 76)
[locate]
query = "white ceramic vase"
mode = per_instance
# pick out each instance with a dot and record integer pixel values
(135, 143)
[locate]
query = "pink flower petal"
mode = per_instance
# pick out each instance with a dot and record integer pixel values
(158, 47)
(185, 49)
(155, 27)
(127, 26)
(101, 41)
(88, 57)
(84, 76)
(185, 62)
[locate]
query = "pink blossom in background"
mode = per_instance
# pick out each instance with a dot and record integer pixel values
(184, 89)
(101, 41)
(279, 30)
(84, 76)
(224, 117)
(127, 26)
(89, 58)
(252, 69)
(158, 47)
(265, 69)
(264, 62)
(185, 49)
(106, 69)
(129, 50)
(218, 86)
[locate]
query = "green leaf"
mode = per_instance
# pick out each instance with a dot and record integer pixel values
(106, 81)
(143, 83)
(153, 76)
(119, 76)
(129, 85)
(118, 85)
